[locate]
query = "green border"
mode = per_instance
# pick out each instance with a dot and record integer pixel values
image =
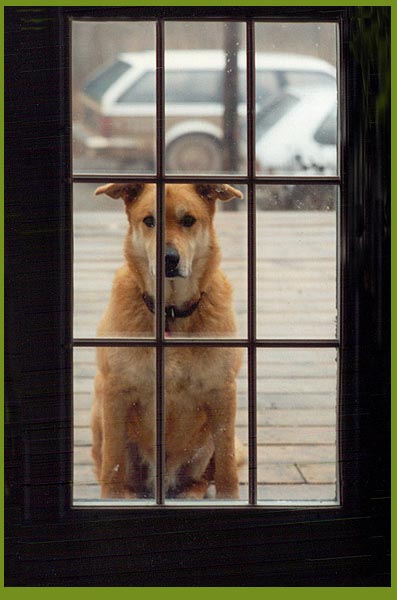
(201, 3)
(309, 592)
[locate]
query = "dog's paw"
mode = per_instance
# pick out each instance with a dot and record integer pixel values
(116, 490)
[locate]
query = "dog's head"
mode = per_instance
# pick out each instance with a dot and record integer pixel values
(189, 233)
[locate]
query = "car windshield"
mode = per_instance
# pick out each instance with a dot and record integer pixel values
(97, 86)
(273, 110)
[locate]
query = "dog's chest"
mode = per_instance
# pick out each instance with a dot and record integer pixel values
(190, 371)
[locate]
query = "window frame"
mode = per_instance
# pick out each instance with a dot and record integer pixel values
(39, 352)
(253, 341)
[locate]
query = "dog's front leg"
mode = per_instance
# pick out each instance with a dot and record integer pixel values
(113, 472)
(222, 421)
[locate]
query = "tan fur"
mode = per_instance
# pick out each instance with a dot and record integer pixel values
(200, 388)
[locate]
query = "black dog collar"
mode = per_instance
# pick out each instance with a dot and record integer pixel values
(172, 312)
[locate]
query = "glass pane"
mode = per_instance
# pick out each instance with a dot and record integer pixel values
(206, 261)
(296, 262)
(297, 425)
(205, 97)
(114, 446)
(113, 96)
(104, 262)
(296, 94)
(206, 424)
(231, 227)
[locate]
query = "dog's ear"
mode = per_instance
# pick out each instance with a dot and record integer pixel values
(217, 191)
(127, 191)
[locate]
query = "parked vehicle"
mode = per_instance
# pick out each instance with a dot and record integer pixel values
(297, 133)
(117, 111)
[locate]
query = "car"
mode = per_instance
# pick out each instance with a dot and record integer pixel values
(296, 133)
(116, 108)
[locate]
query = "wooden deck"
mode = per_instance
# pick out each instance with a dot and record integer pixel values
(296, 298)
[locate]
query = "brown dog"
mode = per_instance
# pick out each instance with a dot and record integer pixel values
(200, 387)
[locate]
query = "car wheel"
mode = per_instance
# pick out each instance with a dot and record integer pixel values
(194, 153)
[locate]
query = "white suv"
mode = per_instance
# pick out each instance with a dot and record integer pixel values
(118, 103)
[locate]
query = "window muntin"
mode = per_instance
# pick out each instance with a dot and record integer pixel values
(254, 349)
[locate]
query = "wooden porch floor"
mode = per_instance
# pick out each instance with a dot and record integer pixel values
(296, 298)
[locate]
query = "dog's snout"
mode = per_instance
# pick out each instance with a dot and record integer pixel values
(171, 261)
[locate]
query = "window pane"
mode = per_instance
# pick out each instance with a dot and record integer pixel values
(100, 230)
(205, 93)
(201, 405)
(302, 94)
(210, 259)
(297, 417)
(113, 96)
(231, 227)
(95, 387)
(296, 262)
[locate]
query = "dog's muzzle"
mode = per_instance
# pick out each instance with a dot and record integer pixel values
(171, 262)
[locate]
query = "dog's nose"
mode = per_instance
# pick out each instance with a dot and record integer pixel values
(171, 261)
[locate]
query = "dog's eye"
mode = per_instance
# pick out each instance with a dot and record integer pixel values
(149, 221)
(188, 221)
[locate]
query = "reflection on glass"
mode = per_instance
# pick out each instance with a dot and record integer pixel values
(205, 97)
(296, 420)
(104, 262)
(113, 96)
(205, 424)
(114, 424)
(296, 94)
(296, 262)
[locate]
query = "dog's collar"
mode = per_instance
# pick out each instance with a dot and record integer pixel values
(172, 312)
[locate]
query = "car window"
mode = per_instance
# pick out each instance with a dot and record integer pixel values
(207, 86)
(266, 84)
(326, 133)
(193, 86)
(273, 111)
(180, 87)
(97, 86)
(143, 90)
(304, 78)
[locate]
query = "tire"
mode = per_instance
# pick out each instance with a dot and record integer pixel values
(195, 153)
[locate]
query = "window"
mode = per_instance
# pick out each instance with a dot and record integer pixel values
(337, 542)
(98, 86)
(301, 79)
(142, 91)
(286, 397)
(326, 134)
(273, 110)
(199, 86)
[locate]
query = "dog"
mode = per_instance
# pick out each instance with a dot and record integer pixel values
(200, 386)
